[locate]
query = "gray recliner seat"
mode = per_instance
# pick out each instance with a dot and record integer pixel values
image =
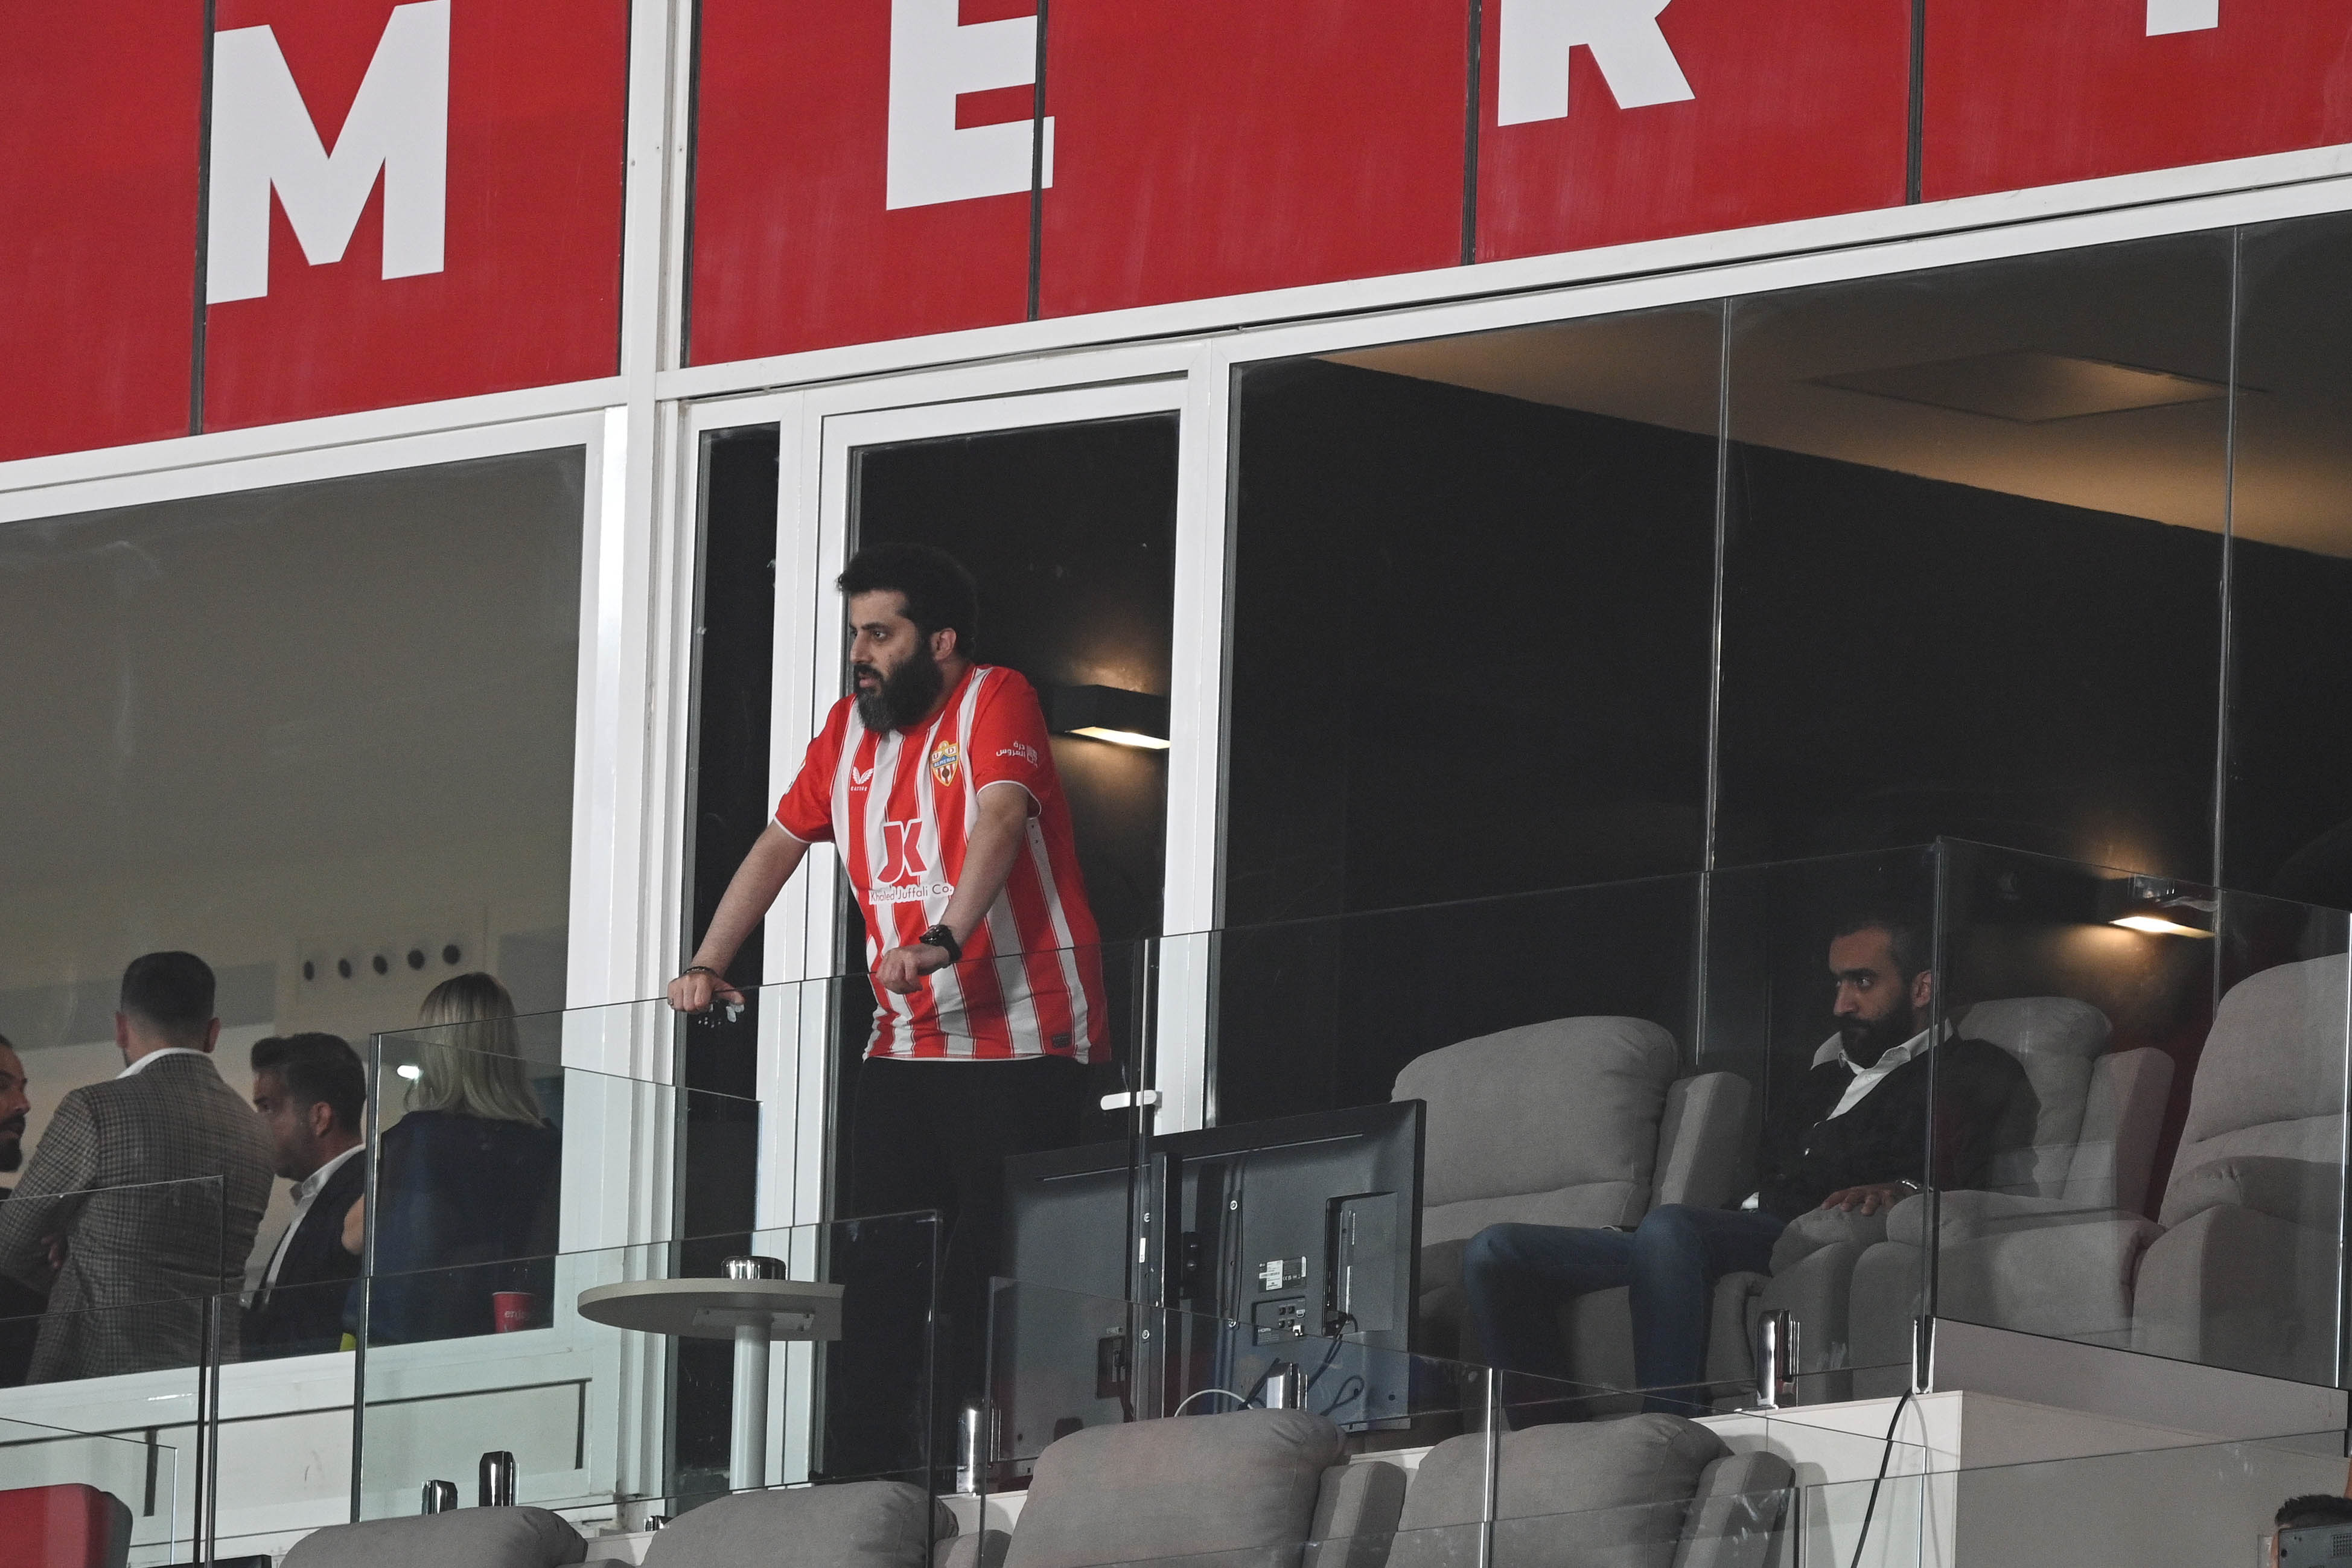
(468, 1538)
(1251, 1488)
(1575, 1122)
(853, 1524)
(2050, 1246)
(1646, 1491)
(2095, 1138)
(857, 1524)
(2244, 1275)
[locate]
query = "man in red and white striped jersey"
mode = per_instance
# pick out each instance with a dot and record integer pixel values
(935, 781)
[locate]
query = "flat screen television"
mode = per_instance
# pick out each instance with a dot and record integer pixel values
(1243, 1251)
(1067, 1332)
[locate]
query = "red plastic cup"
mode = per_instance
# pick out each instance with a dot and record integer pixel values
(513, 1310)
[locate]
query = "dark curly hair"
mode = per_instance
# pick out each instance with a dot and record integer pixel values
(940, 595)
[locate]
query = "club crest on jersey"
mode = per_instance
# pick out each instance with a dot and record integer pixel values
(945, 758)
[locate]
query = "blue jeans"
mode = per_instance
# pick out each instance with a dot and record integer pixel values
(1520, 1275)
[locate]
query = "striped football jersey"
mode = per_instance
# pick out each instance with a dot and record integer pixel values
(897, 805)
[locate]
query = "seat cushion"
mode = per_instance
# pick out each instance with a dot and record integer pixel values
(1578, 1495)
(2276, 1052)
(2269, 1081)
(2058, 1041)
(2065, 1281)
(858, 1524)
(2121, 1124)
(1817, 1228)
(1551, 1123)
(1243, 1484)
(2301, 1192)
(1968, 1215)
(2236, 1288)
(469, 1538)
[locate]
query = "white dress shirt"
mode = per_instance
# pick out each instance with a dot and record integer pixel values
(140, 1065)
(305, 1193)
(1867, 1078)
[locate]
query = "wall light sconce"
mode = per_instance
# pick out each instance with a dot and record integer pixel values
(2160, 907)
(1107, 713)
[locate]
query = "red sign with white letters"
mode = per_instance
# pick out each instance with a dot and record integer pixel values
(413, 200)
(1225, 146)
(853, 182)
(99, 110)
(1606, 122)
(2035, 92)
(410, 202)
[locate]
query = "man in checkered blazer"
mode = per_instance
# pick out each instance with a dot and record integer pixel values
(144, 1194)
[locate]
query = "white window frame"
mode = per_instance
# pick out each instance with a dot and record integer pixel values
(817, 430)
(1323, 319)
(639, 427)
(303, 1403)
(817, 433)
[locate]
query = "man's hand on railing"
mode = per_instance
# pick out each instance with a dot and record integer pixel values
(699, 987)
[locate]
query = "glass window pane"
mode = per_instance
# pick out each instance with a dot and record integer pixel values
(1471, 592)
(321, 736)
(1470, 621)
(1973, 556)
(2288, 829)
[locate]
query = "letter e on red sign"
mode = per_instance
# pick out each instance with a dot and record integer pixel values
(861, 171)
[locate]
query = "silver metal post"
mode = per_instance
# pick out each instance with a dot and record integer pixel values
(968, 1427)
(207, 1520)
(1494, 1455)
(747, 1449)
(440, 1497)
(495, 1486)
(1776, 1359)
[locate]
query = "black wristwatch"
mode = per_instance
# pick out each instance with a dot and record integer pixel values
(940, 936)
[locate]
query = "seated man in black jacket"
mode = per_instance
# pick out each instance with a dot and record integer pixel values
(1852, 1133)
(311, 1092)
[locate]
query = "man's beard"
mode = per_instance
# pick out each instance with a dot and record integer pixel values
(12, 1150)
(1865, 1043)
(904, 695)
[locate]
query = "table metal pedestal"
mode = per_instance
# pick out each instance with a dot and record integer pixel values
(754, 1312)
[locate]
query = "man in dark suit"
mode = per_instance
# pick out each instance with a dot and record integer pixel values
(1854, 1132)
(20, 1306)
(311, 1092)
(151, 1186)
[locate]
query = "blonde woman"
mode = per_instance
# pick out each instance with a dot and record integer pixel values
(467, 1179)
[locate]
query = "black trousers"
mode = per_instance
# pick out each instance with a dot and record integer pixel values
(928, 1135)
